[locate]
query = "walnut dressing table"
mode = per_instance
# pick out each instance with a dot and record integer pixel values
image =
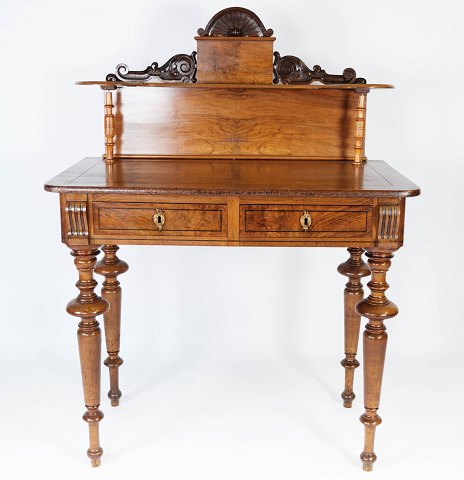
(233, 145)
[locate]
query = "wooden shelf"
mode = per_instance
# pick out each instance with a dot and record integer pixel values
(350, 86)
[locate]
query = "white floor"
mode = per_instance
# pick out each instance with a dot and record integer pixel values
(235, 414)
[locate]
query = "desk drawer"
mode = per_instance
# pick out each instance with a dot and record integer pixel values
(142, 219)
(306, 221)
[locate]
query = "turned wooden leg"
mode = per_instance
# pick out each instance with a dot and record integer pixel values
(354, 268)
(110, 267)
(87, 306)
(376, 308)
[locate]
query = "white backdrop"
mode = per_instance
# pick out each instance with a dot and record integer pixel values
(231, 355)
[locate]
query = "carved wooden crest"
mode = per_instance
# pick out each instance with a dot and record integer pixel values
(234, 22)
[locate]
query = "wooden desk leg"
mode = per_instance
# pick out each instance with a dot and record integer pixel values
(110, 267)
(87, 306)
(354, 268)
(376, 308)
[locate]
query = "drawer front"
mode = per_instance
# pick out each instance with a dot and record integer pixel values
(306, 221)
(179, 220)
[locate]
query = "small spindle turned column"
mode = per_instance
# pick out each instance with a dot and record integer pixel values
(354, 268)
(88, 305)
(110, 267)
(376, 308)
(109, 128)
(360, 128)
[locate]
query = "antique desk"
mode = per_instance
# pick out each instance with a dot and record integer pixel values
(233, 145)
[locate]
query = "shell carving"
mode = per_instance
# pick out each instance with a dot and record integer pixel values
(235, 22)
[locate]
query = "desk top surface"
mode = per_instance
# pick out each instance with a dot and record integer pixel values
(205, 176)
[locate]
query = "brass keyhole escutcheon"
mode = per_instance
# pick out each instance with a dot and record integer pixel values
(158, 219)
(305, 221)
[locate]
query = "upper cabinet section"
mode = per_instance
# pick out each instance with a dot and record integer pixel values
(235, 97)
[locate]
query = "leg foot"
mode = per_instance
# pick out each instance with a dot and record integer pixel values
(87, 306)
(113, 362)
(110, 267)
(376, 308)
(355, 269)
(348, 403)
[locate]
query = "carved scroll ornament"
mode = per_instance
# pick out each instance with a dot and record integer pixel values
(389, 223)
(235, 22)
(180, 68)
(290, 69)
(76, 219)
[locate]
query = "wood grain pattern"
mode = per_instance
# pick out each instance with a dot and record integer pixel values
(283, 221)
(181, 220)
(235, 60)
(236, 123)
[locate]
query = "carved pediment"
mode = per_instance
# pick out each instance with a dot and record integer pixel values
(235, 22)
(230, 25)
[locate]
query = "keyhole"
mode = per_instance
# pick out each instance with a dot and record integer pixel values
(306, 221)
(159, 219)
